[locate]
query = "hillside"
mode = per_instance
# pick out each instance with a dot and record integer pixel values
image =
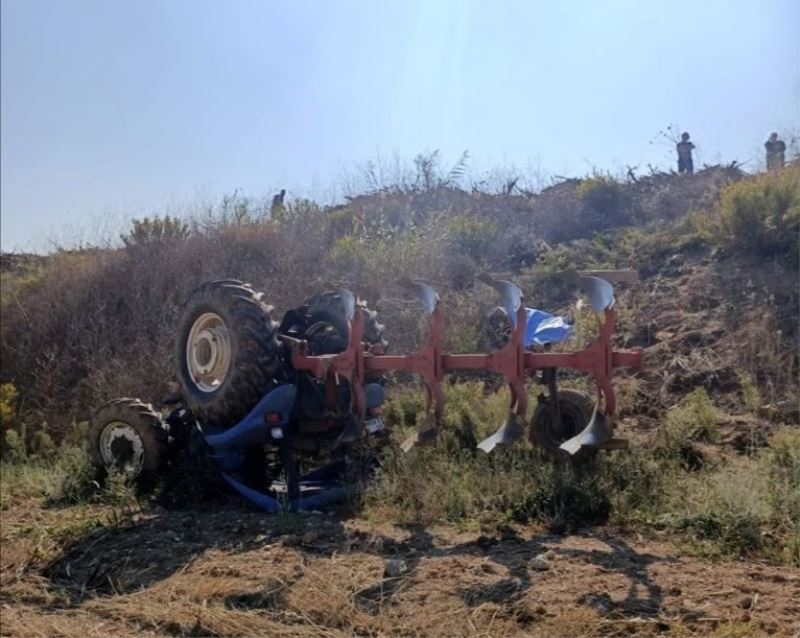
(692, 531)
(81, 327)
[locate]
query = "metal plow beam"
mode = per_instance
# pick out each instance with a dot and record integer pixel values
(513, 361)
(509, 361)
(426, 362)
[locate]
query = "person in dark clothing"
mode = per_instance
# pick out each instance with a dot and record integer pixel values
(277, 208)
(776, 153)
(685, 147)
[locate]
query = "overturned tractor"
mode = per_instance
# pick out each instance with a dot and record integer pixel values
(286, 412)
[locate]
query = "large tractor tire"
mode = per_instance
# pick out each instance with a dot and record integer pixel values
(129, 436)
(227, 352)
(576, 410)
(322, 321)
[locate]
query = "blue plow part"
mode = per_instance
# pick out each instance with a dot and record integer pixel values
(229, 461)
(272, 505)
(543, 328)
(374, 395)
(253, 430)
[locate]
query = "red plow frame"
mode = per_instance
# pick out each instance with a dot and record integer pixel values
(513, 361)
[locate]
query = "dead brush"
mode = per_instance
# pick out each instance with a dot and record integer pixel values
(767, 355)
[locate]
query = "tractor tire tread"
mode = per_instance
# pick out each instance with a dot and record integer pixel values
(143, 418)
(256, 365)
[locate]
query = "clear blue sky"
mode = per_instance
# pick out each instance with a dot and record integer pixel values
(119, 107)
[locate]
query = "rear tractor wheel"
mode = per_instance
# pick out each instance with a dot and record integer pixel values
(322, 322)
(227, 352)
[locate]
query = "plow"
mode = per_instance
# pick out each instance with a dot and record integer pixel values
(287, 414)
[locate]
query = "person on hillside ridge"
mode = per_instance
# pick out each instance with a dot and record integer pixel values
(776, 153)
(277, 208)
(685, 147)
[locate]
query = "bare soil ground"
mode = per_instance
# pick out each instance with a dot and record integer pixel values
(231, 572)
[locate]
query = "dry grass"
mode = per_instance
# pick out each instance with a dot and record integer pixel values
(456, 584)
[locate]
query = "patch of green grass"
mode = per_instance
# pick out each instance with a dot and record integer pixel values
(695, 419)
(719, 510)
(751, 397)
(730, 510)
(62, 479)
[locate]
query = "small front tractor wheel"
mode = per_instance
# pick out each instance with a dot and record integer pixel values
(227, 352)
(128, 435)
(576, 409)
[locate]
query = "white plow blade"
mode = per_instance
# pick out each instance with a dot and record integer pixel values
(427, 296)
(596, 433)
(507, 434)
(599, 292)
(510, 295)
(349, 301)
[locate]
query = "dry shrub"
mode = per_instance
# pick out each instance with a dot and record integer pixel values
(761, 215)
(605, 203)
(695, 419)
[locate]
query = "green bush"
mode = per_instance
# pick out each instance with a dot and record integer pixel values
(567, 497)
(13, 447)
(349, 254)
(77, 481)
(471, 234)
(158, 230)
(695, 419)
(782, 465)
(761, 215)
(42, 445)
(604, 203)
(8, 399)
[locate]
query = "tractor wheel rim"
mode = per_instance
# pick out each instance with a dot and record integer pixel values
(208, 352)
(121, 447)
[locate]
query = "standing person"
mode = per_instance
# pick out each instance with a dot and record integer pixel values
(277, 209)
(776, 153)
(685, 147)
